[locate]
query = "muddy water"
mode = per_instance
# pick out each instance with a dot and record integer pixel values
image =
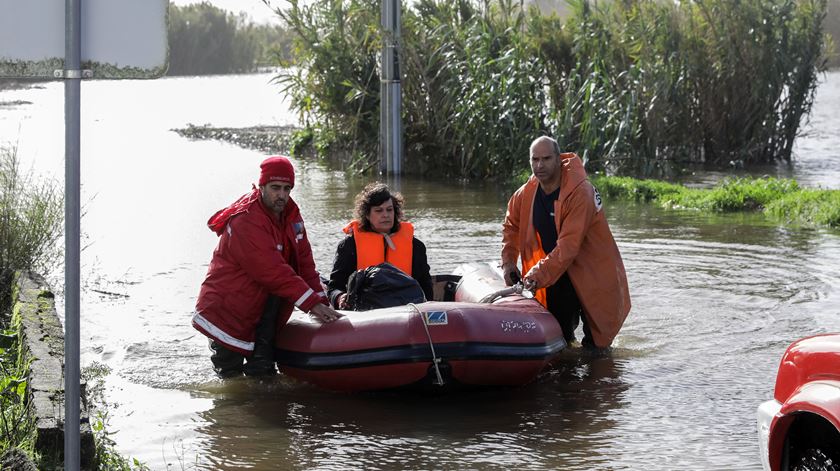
(716, 299)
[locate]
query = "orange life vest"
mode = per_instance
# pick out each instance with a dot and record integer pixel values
(372, 249)
(537, 254)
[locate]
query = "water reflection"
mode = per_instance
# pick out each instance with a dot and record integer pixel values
(560, 421)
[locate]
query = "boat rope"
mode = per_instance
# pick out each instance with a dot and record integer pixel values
(435, 359)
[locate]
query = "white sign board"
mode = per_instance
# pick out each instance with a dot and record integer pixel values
(120, 38)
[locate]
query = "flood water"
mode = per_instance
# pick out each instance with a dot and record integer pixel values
(716, 299)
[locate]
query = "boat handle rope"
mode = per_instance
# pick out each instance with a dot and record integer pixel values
(435, 359)
(518, 288)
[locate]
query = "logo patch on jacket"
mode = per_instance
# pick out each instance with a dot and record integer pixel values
(598, 203)
(298, 228)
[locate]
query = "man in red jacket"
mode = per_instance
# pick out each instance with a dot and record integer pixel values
(555, 225)
(261, 269)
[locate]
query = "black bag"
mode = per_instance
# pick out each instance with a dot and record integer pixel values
(382, 285)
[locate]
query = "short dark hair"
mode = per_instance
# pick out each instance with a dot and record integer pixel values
(375, 194)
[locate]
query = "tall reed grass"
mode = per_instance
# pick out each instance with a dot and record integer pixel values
(636, 88)
(17, 427)
(31, 221)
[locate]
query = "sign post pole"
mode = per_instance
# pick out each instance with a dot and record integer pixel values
(390, 125)
(72, 229)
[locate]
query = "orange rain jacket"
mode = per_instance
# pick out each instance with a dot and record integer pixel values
(585, 249)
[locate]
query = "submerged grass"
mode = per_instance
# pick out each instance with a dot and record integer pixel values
(818, 207)
(778, 198)
(107, 456)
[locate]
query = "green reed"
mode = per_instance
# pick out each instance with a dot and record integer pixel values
(335, 84)
(17, 428)
(31, 219)
(640, 88)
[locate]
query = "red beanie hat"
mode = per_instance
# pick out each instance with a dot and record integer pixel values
(277, 168)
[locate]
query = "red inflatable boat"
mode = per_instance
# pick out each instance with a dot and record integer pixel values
(476, 333)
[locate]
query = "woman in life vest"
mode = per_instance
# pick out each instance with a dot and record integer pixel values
(378, 234)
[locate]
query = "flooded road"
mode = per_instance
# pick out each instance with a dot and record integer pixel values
(716, 299)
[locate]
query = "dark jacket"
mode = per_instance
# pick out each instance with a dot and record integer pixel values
(344, 265)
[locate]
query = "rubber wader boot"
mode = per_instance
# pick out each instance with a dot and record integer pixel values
(261, 362)
(226, 363)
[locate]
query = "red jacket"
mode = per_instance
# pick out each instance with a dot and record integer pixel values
(257, 255)
(585, 249)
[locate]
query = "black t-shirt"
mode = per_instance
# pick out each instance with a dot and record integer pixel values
(544, 224)
(544, 218)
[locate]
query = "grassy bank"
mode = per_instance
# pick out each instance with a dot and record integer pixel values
(17, 427)
(779, 199)
(30, 224)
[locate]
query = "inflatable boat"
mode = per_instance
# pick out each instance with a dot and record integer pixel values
(477, 332)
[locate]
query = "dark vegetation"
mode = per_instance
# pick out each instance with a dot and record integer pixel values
(266, 139)
(832, 29)
(641, 88)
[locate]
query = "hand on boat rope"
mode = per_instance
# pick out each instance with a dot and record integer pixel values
(529, 284)
(518, 288)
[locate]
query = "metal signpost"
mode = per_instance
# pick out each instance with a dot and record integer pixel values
(81, 39)
(390, 119)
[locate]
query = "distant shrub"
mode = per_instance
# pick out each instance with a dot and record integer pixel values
(206, 40)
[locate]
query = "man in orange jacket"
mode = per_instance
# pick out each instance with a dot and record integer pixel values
(555, 224)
